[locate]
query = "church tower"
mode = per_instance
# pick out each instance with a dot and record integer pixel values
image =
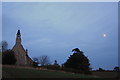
(20, 53)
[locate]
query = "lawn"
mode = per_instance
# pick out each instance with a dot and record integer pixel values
(105, 74)
(24, 72)
(14, 72)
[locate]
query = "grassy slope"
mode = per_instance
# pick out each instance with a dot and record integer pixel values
(10, 72)
(106, 74)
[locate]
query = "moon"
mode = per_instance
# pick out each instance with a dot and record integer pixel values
(104, 35)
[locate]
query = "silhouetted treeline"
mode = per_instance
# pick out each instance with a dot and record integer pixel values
(77, 63)
(115, 69)
(8, 56)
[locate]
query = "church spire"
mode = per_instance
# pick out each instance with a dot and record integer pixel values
(18, 37)
(18, 33)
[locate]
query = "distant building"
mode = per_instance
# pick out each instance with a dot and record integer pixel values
(20, 53)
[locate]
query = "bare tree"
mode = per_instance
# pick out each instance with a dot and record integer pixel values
(44, 60)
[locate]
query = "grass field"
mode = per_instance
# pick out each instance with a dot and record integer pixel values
(105, 74)
(12, 72)
(27, 72)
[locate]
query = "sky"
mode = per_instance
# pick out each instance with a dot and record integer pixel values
(55, 28)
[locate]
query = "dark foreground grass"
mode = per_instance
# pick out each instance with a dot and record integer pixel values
(105, 74)
(14, 73)
(10, 72)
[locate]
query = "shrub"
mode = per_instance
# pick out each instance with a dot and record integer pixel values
(8, 57)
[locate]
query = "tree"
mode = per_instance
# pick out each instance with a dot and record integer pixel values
(55, 62)
(3, 46)
(76, 50)
(43, 60)
(78, 61)
(8, 57)
(56, 65)
(116, 69)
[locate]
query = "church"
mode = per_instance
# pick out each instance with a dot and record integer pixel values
(21, 54)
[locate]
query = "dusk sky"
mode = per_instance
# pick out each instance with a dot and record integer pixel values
(55, 28)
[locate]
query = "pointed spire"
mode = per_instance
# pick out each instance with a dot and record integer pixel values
(18, 33)
(18, 37)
